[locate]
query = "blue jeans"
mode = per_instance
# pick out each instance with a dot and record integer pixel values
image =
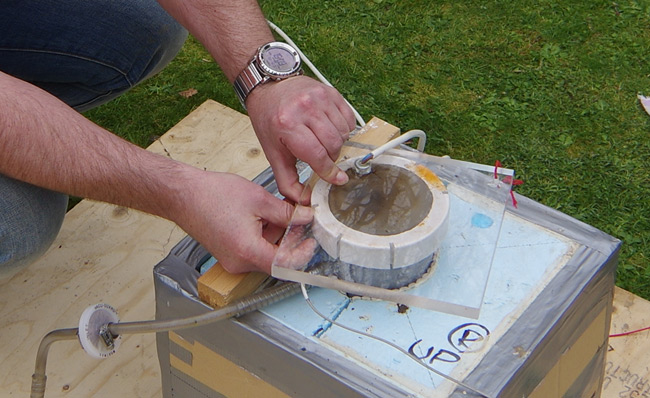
(85, 53)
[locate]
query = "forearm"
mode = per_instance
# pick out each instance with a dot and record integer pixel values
(230, 30)
(46, 143)
(295, 118)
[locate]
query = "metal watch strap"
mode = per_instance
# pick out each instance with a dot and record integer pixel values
(246, 82)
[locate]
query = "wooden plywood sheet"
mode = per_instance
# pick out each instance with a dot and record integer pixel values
(627, 370)
(106, 254)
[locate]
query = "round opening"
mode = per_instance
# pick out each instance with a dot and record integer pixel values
(388, 201)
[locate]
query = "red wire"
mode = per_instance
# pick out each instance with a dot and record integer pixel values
(497, 164)
(630, 332)
(507, 180)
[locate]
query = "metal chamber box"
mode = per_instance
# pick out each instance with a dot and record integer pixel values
(542, 331)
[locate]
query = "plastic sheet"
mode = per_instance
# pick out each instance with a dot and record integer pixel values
(456, 279)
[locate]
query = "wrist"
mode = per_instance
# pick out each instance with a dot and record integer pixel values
(173, 190)
(274, 61)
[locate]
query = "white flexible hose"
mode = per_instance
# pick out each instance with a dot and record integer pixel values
(422, 139)
(313, 68)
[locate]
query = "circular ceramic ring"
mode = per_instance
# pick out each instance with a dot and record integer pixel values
(383, 252)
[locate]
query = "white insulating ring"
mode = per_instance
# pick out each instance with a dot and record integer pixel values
(90, 323)
(382, 251)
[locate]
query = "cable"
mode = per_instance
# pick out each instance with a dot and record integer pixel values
(399, 140)
(629, 333)
(362, 166)
(313, 68)
(389, 343)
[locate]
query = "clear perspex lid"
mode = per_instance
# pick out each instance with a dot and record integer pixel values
(419, 230)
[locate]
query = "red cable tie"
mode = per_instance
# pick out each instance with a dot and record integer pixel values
(509, 180)
(514, 201)
(497, 164)
(629, 333)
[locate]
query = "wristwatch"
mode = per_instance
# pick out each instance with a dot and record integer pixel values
(273, 62)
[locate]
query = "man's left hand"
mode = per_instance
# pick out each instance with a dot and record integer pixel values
(304, 119)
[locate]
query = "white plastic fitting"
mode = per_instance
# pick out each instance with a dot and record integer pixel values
(92, 323)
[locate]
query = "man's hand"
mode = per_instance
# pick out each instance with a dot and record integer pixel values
(305, 119)
(295, 118)
(46, 143)
(239, 222)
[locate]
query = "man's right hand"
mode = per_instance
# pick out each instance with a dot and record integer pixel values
(301, 118)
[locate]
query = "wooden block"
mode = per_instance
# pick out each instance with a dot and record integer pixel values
(106, 253)
(217, 287)
(375, 133)
(627, 371)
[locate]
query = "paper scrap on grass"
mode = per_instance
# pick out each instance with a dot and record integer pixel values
(188, 93)
(645, 101)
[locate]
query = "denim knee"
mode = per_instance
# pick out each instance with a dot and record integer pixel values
(30, 219)
(86, 52)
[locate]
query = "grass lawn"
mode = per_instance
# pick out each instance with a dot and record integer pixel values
(549, 88)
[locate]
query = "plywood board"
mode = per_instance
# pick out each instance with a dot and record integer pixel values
(106, 254)
(627, 371)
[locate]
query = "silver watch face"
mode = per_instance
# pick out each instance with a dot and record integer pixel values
(279, 60)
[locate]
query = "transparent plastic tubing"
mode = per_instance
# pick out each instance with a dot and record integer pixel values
(238, 308)
(38, 378)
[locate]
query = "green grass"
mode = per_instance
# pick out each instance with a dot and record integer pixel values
(546, 87)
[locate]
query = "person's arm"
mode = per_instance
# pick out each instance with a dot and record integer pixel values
(46, 143)
(295, 118)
